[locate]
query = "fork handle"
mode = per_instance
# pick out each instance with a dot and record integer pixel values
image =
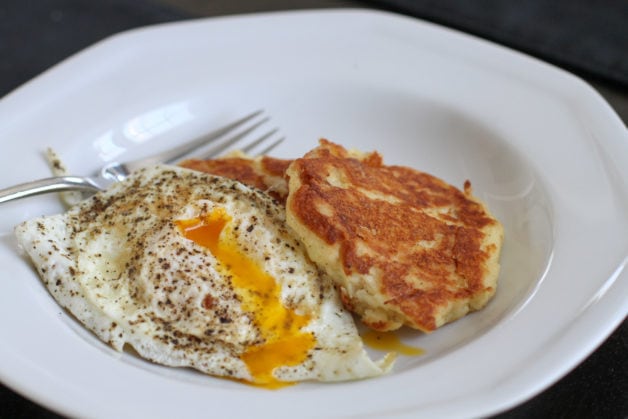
(51, 184)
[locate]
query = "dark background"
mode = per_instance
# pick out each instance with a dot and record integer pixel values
(589, 38)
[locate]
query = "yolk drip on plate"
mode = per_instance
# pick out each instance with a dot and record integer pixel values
(389, 341)
(284, 342)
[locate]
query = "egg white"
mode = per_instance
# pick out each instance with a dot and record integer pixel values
(120, 265)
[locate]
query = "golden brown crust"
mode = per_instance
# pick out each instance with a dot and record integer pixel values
(423, 240)
(274, 166)
(265, 173)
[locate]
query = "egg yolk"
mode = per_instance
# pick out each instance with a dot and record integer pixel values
(260, 294)
(388, 341)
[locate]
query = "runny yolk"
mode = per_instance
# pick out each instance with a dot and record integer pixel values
(284, 342)
(389, 341)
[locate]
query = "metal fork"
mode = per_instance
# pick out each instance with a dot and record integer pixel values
(115, 172)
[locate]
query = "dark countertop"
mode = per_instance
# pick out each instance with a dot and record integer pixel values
(36, 35)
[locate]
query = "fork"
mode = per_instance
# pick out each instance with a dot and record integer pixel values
(116, 172)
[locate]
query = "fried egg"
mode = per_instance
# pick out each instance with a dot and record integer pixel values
(195, 270)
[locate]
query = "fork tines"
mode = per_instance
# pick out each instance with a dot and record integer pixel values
(250, 135)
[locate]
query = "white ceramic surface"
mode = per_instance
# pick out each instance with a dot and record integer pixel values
(542, 148)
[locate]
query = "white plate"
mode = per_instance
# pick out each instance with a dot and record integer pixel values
(540, 146)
